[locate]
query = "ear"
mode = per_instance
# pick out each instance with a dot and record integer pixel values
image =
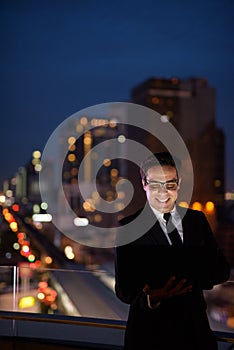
(143, 184)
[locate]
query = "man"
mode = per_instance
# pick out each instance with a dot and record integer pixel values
(163, 273)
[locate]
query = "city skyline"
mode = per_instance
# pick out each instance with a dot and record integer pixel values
(59, 60)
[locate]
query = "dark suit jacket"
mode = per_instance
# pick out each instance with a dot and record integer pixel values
(179, 320)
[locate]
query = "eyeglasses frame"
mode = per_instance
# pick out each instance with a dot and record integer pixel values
(163, 184)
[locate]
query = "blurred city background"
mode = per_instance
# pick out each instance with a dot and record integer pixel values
(41, 269)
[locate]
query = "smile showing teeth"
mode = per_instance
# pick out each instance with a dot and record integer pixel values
(163, 200)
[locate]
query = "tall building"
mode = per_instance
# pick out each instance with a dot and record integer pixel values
(107, 170)
(190, 106)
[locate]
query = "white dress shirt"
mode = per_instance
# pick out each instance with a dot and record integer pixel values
(176, 220)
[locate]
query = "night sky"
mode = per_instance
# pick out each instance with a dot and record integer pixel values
(58, 57)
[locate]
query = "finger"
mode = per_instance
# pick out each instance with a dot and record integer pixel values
(169, 283)
(179, 286)
(185, 290)
(180, 290)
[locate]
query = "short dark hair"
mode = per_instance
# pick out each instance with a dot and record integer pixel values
(162, 159)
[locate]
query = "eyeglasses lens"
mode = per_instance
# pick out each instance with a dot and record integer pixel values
(169, 186)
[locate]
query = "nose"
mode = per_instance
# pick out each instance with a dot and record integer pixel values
(162, 188)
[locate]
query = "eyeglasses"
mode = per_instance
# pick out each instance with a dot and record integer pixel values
(171, 185)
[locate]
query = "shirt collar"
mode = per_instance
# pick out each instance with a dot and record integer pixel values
(159, 214)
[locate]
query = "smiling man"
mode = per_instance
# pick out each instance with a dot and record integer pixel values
(160, 182)
(163, 273)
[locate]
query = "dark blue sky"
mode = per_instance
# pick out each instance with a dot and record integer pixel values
(58, 57)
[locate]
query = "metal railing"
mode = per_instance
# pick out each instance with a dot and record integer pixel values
(80, 306)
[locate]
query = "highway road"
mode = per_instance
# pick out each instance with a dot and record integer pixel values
(90, 295)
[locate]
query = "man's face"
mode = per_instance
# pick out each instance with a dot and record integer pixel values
(161, 197)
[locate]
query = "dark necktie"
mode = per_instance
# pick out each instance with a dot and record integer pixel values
(172, 231)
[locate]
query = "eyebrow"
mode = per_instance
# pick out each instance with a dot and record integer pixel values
(155, 181)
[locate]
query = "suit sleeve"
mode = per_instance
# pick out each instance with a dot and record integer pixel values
(216, 267)
(129, 282)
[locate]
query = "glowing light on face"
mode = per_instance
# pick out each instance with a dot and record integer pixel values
(162, 198)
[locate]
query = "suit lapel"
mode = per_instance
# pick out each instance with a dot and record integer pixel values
(155, 236)
(187, 226)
